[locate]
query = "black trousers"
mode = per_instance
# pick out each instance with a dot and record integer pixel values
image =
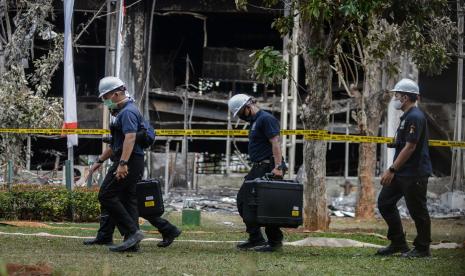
(273, 233)
(118, 200)
(108, 223)
(107, 227)
(413, 189)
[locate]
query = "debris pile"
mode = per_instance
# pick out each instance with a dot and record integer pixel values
(209, 200)
(447, 205)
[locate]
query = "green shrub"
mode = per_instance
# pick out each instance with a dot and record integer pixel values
(85, 204)
(6, 205)
(49, 203)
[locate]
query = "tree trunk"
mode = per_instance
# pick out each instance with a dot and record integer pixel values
(373, 106)
(366, 195)
(316, 116)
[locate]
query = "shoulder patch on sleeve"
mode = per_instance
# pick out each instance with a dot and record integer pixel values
(412, 129)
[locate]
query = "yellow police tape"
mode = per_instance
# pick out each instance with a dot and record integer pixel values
(377, 139)
(308, 134)
(160, 132)
(54, 131)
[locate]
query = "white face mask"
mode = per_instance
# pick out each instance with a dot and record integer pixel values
(397, 104)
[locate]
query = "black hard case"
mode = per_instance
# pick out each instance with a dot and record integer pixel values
(275, 202)
(150, 198)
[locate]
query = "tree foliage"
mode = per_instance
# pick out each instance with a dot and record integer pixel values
(23, 100)
(268, 66)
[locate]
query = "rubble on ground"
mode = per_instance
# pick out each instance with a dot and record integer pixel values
(445, 206)
(209, 200)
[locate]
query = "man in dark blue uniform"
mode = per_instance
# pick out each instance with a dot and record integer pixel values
(117, 195)
(126, 114)
(265, 153)
(408, 176)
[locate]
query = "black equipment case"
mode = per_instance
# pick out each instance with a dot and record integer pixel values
(277, 202)
(149, 198)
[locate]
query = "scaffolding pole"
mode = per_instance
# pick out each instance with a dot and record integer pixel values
(167, 167)
(458, 162)
(147, 85)
(186, 108)
(228, 141)
(108, 71)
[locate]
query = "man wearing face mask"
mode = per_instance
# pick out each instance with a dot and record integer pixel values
(265, 153)
(117, 194)
(168, 231)
(408, 176)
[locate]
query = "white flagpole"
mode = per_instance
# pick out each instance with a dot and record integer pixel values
(69, 88)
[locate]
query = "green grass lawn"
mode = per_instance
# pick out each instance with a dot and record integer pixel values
(70, 257)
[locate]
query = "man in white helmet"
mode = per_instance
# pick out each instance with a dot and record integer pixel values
(265, 153)
(105, 232)
(408, 176)
(117, 195)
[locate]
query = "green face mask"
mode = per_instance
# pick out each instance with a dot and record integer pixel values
(109, 103)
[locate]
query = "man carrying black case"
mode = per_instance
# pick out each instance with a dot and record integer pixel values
(128, 198)
(264, 151)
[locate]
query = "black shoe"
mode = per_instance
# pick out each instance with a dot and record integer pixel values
(416, 253)
(130, 242)
(392, 249)
(269, 248)
(135, 248)
(168, 240)
(250, 244)
(96, 241)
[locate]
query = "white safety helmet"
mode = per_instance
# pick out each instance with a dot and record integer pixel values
(237, 102)
(406, 86)
(108, 84)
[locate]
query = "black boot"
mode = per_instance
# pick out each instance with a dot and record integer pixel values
(417, 253)
(393, 249)
(130, 242)
(249, 244)
(270, 248)
(97, 241)
(168, 239)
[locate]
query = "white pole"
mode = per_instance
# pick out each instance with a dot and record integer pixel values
(69, 89)
(167, 166)
(346, 155)
(228, 142)
(71, 159)
(285, 87)
(295, 93)
(119, 29)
